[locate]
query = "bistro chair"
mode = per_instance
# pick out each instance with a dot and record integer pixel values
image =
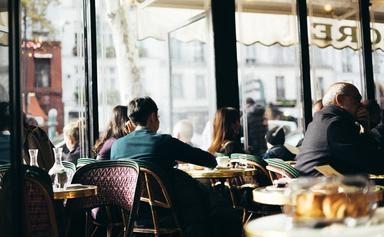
(69, 165)
(84, 161)
(162, 219)
(278, 168)
(117, 196)
(3, 169)
(40, 218)
(38, 203)
(261, 177)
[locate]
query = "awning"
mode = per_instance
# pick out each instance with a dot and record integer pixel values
(34, 107)
(264, 22)
(3, 28)
(157, 22)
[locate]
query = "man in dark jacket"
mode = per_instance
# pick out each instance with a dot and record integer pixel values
(196, 206)
(335, 137)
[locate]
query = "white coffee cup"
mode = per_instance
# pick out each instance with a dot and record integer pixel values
(222, 161)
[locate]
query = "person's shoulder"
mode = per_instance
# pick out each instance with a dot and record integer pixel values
(116, 144)
(162, 136)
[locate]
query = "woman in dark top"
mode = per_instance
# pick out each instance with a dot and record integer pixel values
(226, 131)
(118, 127)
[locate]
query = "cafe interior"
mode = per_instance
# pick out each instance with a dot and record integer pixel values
(66, 65)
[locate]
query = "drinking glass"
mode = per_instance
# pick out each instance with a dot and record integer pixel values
(33, 157)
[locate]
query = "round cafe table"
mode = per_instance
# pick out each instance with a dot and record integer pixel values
(219, 173)
(223, 175)
(281, 226)
(270, 195)
(75, 191)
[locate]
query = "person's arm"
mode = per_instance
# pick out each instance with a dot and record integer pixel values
(351, 149)
(186, 153)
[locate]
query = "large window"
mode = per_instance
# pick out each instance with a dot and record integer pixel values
(335, 45)
(4, 87)
(377, 26)
(5, 126)
(52, 67)
(268, 71)
(158, 51)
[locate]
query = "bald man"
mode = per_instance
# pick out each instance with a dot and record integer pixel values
(334, 136)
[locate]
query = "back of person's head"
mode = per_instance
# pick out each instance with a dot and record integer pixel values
(338, 88)
(117, 124)
(72, 131)
(226, 126)
(140, 108)
(4, 116)
(275, 136)
(183, 131)
(318, 105)
(117, 127)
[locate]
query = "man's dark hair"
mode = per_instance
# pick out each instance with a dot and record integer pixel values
(4, 116)
(140, 108)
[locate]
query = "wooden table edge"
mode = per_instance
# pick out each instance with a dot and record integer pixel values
(91, 190)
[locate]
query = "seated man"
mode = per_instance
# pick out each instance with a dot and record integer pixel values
(197, 210)
(146, 145)
(334, 136)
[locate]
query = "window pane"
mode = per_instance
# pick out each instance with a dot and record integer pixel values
(268, 71)
(190, 69)
(52, 67)
(5, 136)
(335, 45)
(154, 50)
(4, 87)
(377, 26)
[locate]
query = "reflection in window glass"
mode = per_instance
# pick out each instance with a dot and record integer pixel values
(5, 135)
(268, 71)
(280, 88)
(52, 67)
(335, 45)
(177, 86)
(42, 73)
(200, 87)
(4, 89)
(377, 26)
(138, 59)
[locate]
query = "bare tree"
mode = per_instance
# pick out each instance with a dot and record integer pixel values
(34, 13)
(122, 19)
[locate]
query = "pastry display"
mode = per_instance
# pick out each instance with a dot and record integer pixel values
(331, 200)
